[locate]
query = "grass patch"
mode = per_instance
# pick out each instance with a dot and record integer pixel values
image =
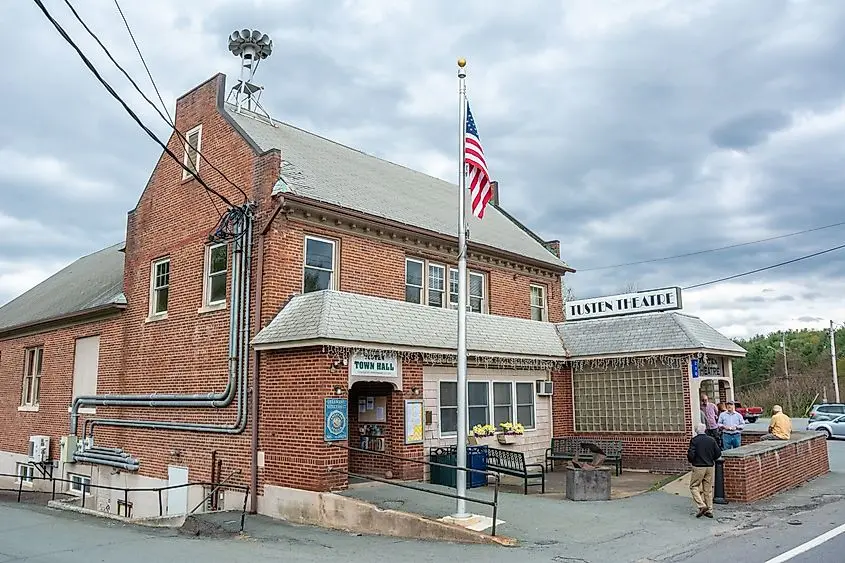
(663, 482)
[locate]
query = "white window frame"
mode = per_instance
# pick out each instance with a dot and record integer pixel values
(207, 303)
(153, 315)
(334, 270)
(24, 473)
(421, 288)
(447, 284)
(185, 159)
(31, 382)
(82, 479)
(544, 307)
(491, 416)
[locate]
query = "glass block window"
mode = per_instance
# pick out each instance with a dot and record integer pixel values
(630, 399)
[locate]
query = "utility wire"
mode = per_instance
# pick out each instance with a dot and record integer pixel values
(117, 97)
(805, 257)
(141, 92)
(141, 56)
(150, 75)
(696, 253)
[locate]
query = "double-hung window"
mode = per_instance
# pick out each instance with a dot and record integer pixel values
(31, 387)
(539, 309)
(488, 402)
(216, 267)
(193, 140)
(159, 287)
(319, 266)
(426, 283)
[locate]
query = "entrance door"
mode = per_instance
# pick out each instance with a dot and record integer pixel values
(177, 499)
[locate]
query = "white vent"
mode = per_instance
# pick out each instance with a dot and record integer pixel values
(544, 387)
(39, 449)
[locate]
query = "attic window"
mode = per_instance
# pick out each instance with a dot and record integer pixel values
(193, 142)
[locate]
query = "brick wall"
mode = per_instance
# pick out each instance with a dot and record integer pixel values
(373, 265)
(51, 418)
(656, 451)
(756, 474)
(294, 387)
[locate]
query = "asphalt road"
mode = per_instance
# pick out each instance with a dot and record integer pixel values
(755, 534)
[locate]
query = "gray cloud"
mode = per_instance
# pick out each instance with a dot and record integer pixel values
(631, 133)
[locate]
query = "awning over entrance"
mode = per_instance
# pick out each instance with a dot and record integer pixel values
(335, 317)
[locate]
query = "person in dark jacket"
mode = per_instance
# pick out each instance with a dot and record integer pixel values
(702, 454)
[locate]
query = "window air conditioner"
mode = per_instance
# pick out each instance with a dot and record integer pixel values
(39, 449)
(544, 387)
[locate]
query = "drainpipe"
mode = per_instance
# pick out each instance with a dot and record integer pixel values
(259, 293)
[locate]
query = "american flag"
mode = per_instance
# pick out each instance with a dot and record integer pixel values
(477, 178)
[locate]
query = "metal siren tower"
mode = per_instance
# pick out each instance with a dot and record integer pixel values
(252, 47)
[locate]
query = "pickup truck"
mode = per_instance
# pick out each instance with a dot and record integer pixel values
(750, 414)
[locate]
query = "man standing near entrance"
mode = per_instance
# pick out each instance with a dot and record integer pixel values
(731, 424)
(711, 416)
(702, 454)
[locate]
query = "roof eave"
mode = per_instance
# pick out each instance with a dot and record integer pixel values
(59, 321)
(660, 351)
(314, 203)
(310, 342)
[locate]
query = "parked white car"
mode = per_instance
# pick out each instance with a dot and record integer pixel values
(834, 428)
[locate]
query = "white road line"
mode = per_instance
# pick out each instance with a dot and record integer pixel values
(804, 547)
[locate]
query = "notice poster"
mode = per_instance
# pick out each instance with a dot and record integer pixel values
(413, 421)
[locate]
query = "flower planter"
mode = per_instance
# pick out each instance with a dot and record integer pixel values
(506, 438)
(481, 440)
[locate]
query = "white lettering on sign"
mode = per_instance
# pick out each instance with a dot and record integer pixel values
(373, 364)
(665, 299)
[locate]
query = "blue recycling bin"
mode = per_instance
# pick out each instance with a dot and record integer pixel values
(476, 459)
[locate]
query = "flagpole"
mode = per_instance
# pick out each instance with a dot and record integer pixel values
(461, 476)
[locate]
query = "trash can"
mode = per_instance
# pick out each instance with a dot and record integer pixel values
(476, 459)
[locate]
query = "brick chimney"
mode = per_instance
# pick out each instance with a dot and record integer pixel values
(554, 247)
(494, 187)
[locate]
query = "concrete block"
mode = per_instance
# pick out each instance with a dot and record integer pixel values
(588, 484)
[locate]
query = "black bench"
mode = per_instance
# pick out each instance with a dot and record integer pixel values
(569, 449)
(513, 463)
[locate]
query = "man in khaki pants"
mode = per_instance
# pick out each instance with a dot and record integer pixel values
(702, 454)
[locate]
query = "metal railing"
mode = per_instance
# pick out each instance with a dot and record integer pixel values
(86, 488)
(494, 503)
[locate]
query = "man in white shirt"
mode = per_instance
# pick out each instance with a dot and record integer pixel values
(731, 424)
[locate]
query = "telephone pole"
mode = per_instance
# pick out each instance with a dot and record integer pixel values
(833, 362)
(786, 372)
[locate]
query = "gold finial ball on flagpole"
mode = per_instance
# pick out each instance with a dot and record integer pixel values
(462, 63)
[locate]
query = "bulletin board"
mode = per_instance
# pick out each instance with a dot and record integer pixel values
(372, 409)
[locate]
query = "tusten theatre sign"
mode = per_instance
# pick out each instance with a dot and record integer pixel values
(651, 301)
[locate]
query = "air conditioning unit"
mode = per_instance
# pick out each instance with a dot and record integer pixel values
(544, 387)
(39, 449)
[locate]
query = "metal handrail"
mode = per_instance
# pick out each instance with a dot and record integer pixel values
(494, 503)
(126, 490)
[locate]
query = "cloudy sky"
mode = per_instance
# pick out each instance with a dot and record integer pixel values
(629, 129)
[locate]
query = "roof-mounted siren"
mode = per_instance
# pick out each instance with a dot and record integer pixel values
(252, 47)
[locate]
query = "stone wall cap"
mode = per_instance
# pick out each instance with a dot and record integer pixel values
(765, 446)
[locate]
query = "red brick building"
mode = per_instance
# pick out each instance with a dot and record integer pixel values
(176, 358)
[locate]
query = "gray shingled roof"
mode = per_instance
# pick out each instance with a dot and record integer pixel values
(324, 170)
(92, 281)
(339, 316)
(649, 332)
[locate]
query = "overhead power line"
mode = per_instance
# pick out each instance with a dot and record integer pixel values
(152, 81)
(117, 97)
(143, 61)
(813, 255)
(728, 247)
(152, 104)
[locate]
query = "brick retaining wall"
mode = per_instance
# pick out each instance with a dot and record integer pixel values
(762, 469)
